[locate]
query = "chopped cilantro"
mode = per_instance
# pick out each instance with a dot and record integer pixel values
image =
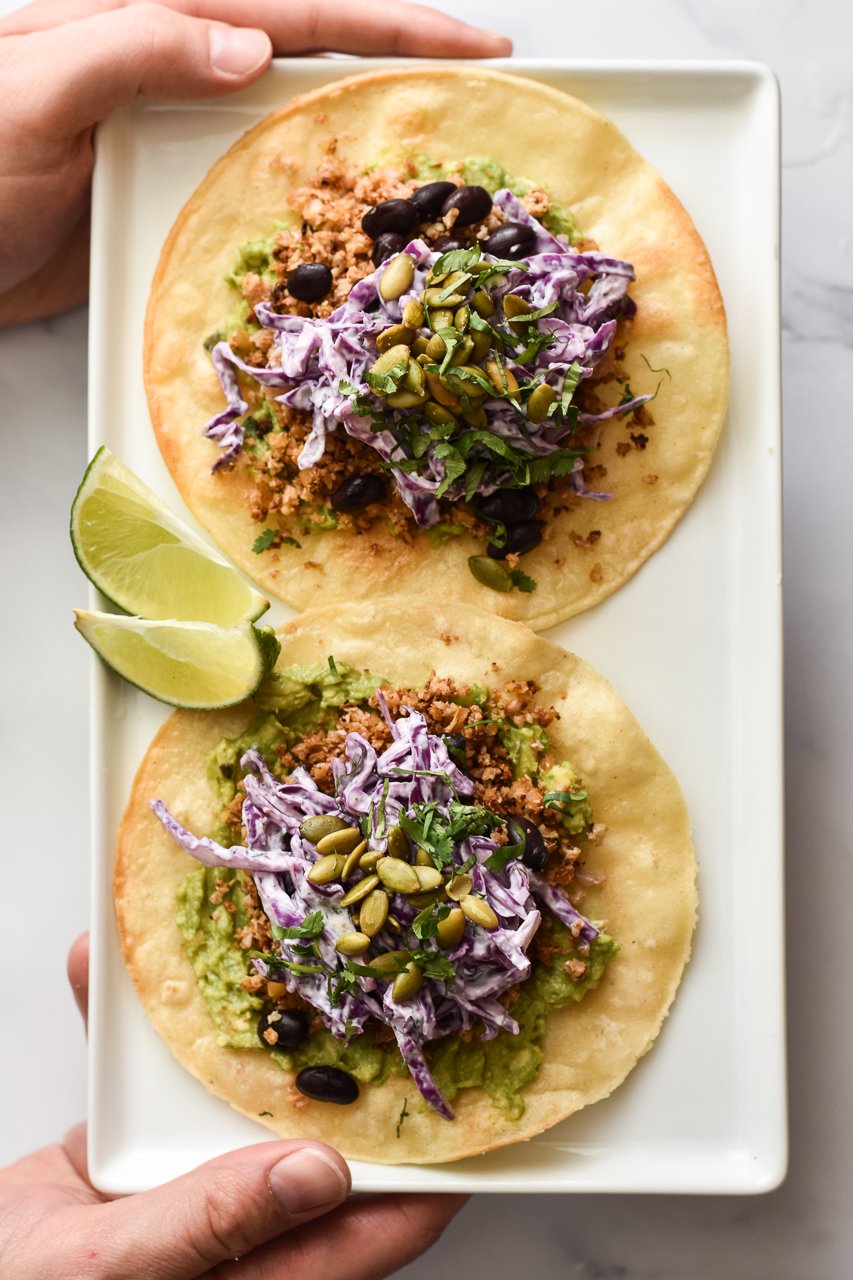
(264, 541)
(403, 1115)
(311, 927)
(522, 581)
(265, 1113)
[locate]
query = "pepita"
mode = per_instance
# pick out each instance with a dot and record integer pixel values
(394, 358)
(483, 304)
(359, 891)
(340, 841)
(470, 386)
(490, 573)
(450, 930)
(395, 336)
(393, 924)
(441, 319)
(423, 859)
(515, 306)
(405, 399)
(478, 910)
(419, 346)
(353, 860)
(502, 379)
(442, 393)
(373, 912)
(326, 869)
(397, 277)
(408, 983)
(398, 843)
(462, 354)
(460, 319)
(421, 900)
(369, 860)
(438, 414)
(322, 824)
(413, 379)
(476, 417)
(397, 875)
(436, 348)
(436, 298)
(541, 399)
(390, 962)
(413, 314)
(428, 878)
(459, 887)
(352, 944)
(482, 344)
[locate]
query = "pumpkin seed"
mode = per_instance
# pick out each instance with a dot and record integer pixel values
(440, 319)
(449, 931)
(541, 399)
(435, 298)
(408, 983)
(459, 887)
(462, 354)
(322, 824)
(393, 924)
(483, 303)
(476, 417)
(419, 346)
(515, 306)
(464, 386)
(397, 875)
(390, 962)
(405, 399)
(438, 414)
(359, 891)
(502, 379)
(436, 348)
(353, 860)
(369, 860)
(413, 378)
(421, 900)
(397, 277)
(393, 337)
(398, 843)
(275, 990)
(423, 859)
(394, 358)
(413, 314)
(490, 573)
(326, 869)
(428, 878)
(440, 392)
(482, 345)
(340, 841)
(478, 910)
(460, 320)
(352, 944)
(373, 912)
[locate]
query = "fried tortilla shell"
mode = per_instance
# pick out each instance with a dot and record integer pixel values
(677, 339)
(647, 896)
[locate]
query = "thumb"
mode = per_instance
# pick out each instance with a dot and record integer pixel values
(221, 1211)
(99, 63)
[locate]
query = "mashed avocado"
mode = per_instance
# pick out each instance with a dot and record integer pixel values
(483, 171)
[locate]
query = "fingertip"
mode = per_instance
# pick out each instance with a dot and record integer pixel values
(77, 967)
(308, 1178)
(239, 53)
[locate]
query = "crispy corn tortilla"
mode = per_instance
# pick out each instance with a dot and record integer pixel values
(647, 899)
(619, 201)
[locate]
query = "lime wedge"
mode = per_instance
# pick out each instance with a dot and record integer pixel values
(188, 664)
(145, 560)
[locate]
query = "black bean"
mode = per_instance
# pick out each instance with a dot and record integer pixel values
(401, 216)
(446, 243)
(359, 491)
(508, 506)
(523, 831)
(386, 246)
(327, 1084)
(513, 240)
(289, 1025)
(474, 204)
(309, 282)
(520, 538)
(429, 199)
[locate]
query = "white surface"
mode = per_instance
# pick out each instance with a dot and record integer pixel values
(804, 1229)
(709, 696)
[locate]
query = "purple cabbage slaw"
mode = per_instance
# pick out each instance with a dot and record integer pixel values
(373, 790)
(321, 364)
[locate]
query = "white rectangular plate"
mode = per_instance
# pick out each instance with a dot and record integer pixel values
(693, 644)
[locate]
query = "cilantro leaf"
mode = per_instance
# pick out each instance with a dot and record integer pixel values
(311, 927)
(521, 580)
(264, 541)
(403, 1115)
(425, 924)
(501, 856)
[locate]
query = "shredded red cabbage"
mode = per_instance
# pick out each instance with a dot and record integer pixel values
(372, 791)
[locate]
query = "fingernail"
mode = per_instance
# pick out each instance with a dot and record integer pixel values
(306, 1179)
(236, 51)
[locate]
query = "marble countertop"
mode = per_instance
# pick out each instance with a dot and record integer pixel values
(804, 1228)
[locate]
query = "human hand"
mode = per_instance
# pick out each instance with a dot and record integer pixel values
(268, 1211)
(66, 64)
